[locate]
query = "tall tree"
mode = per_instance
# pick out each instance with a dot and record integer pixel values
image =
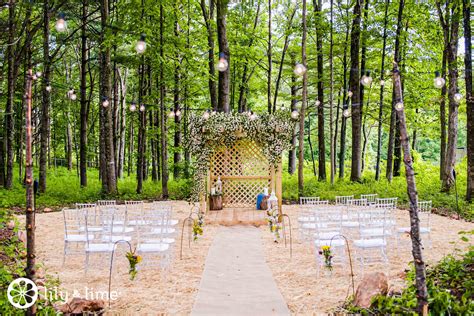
(332, 145)
(393, 113)
(163, 116)
(354, 83)
(303, 105)
(223, 101)
(317, 4)
(109, 180)
(469, 98)
(208, 17)
(46, 100)
(381, 98)
(83, 96)
(176, 103)
(450, 25)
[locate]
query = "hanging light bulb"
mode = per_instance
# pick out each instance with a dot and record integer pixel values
(39, 74)
(73, 96)
(142, 107)
(253, 116)
(318, 103)
(299, 70)
(178, 113)
(382, 82)
(206, 115)
(213, 112)
(222, 64)
(48, 88)
(295, 114)
(457, 97)
(171, 114)
(61, 24)
(105, 102)
(366, 79)
(34, 77)
(133, 107)
(140, 47)
(399, 106)
(346, 112)
(438, 80)
(349, 94)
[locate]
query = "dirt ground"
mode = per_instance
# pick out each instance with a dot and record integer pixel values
(174, 292)
(307, 293)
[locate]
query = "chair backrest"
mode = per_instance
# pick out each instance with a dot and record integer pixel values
(309, 200)
(155, 221)
(424, 213)
(329, 221)
(134, 209)
(374, 218)
(390, 203)
(358, 202)
(343, 199)
(91, 211)
(74, 221)
(106, 203)
(369, 197)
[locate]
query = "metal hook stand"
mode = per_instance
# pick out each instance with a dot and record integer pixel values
(281, 219)
(112, 261)
(350, 259)
(194, 210)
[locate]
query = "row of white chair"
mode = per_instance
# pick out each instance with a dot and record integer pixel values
(99, 227)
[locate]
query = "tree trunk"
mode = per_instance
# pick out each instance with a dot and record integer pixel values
(345, 102)
(332, 147)
(11, 82)
(29, 182)
(141, 128)
(452, 44)
(223, 104)
(354, 83)
(303, 107)
(292, 151)
(269, 58)
(164, 129)
(469, 99)
(321, 137)
(210, 42)
(381, 99)
(420, 272)
(442, 119)
(110, 186)
(393, 116)
(84, 101)
(46, 100)
(123, 120)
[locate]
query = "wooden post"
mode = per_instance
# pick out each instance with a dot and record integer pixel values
(30, 211)
(420, 271)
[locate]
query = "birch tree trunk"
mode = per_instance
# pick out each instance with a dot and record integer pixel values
(420, 270)
(223, 101)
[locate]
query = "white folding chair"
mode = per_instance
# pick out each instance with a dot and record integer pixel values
(328, 225)
(372, 243)
(387, 203)
(119, 230)
(106, 203)
(152, 240)
(74, 220)
(369, 197)
(103, 244)
(358, 202)
(309, 200)
(306, 219)
(343, 199)
(424, 214)
(134, 212)
(92, 214)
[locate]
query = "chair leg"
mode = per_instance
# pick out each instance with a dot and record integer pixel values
(86, 264)
(64, 252)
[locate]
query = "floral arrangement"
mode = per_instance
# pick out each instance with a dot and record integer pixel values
(273, 224)
(273, 132)
(197, 226)
(133, 261)
(327, 254)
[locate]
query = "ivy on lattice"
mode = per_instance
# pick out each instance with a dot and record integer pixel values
(272, 132)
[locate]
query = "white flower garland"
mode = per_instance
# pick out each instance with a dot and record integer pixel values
(273, 132)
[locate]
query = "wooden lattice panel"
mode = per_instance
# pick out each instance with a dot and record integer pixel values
(244, 172)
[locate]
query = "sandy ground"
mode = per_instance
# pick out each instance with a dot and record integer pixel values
(174, 292)
(151, 293)
(307, 293)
